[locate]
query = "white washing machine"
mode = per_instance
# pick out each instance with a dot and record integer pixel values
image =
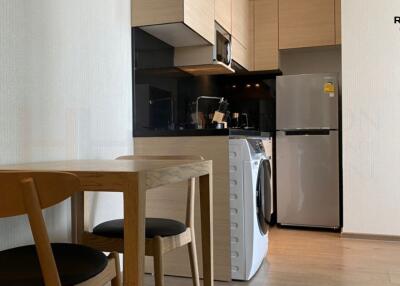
(250, 205)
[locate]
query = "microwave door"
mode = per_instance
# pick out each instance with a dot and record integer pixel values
(222, 46)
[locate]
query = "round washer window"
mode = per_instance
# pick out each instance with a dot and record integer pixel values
(264, 195)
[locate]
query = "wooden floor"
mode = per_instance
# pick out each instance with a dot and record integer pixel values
(304, 258)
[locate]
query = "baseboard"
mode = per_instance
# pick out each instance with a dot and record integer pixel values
(370, 236)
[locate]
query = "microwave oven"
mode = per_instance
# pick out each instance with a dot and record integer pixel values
(223, 47)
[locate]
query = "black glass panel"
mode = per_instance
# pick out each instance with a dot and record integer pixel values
(164, 97)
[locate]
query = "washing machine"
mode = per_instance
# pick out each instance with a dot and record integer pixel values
(250, 205)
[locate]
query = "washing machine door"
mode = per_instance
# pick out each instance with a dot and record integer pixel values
(264, 195)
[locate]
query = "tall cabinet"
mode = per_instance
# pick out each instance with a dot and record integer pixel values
(338, 21)
(266, 32)
(223, 14)
(291, 24)
(306, 23)
(242, 19)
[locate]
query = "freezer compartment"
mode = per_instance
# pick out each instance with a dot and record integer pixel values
(307, 102)
(308, 178)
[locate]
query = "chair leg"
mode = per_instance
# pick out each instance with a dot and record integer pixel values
(193, 260)
(117, 280)
(158, 261)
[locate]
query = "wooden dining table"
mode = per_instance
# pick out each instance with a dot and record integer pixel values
(133, 178)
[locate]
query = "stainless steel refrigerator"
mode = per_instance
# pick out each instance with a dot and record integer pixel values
(307, 150)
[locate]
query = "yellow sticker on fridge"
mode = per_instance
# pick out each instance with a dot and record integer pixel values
(329, 87)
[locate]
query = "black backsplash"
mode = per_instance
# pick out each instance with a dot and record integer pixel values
(164, 96)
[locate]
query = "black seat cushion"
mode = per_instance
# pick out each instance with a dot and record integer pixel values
(76, 263)
(154, 227)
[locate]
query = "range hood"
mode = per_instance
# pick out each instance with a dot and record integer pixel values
(200, 60)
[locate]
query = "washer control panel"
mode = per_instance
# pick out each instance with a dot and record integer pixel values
(256, 145)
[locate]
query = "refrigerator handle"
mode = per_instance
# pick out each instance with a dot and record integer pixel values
(306, 132)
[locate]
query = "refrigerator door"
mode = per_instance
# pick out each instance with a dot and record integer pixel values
(308, 179)
(307, 102)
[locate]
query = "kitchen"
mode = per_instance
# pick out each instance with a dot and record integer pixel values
(223, 101)
(69, 84)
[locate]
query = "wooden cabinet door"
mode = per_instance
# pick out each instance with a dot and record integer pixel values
(199, 16)
(241, 18)
(338, 21)
(266, 52)
(154, 12)
(242, 33)
(306, 23)
(241, 55)
(170, 201)
(223, 14)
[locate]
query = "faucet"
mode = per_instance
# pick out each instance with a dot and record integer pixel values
(221, 99)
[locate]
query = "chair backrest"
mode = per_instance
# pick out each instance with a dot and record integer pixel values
(29, 193)
(191, 182)
(51, 188)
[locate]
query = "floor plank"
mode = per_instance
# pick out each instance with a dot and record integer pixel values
(308, 258)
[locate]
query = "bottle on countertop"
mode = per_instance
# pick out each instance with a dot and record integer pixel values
(235, 120)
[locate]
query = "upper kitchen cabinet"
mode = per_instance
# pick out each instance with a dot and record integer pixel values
(179, 23)
(223, 14)
(241, 21)
(338, 21)
(242, 55)
(266, 33)
(306, 23)
(242, 31)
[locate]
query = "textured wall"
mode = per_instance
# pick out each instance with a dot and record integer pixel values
(65, 92)
(371, 117)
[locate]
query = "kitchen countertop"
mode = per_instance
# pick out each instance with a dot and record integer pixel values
(200, 132)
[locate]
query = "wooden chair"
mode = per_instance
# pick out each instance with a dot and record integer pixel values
(162, 235)
(44, 263)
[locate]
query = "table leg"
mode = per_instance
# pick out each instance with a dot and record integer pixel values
(134, 231)
(77, 217)
(206, 209)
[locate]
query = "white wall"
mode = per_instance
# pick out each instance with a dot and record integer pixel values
(65, 92)
(371, 116)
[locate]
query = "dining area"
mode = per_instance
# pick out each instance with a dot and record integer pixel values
(66, 85)
(28, 188)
